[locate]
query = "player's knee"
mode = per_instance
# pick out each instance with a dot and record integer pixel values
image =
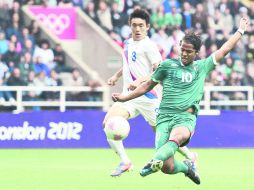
(180, 135)
(117, 111)
(179, 139)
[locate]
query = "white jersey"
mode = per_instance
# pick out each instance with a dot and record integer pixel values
(138, 59)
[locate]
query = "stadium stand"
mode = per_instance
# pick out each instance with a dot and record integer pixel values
(102, 26)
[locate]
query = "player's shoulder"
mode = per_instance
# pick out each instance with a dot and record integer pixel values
(170, 63)
(204, 60)
(126, 42)
(148, 42)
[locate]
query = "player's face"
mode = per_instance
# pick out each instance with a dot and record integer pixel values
(188, 53)
(139, 28)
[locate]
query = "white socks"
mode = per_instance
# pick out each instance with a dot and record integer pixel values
(186, 153)
(118, 147)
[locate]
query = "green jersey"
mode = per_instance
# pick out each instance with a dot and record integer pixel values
(183, 86)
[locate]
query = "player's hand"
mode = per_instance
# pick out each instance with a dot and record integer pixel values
(118, 97)
(112, 81)
(134, 85)
(244, 22)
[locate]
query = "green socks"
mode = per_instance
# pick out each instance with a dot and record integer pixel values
(179, 167)
(166, 151)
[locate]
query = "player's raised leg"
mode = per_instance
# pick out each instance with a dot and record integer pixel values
(193, 156)
(151, 167)
(191, 173)
(117, 146)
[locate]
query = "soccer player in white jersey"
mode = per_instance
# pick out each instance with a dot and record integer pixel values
(140, 57)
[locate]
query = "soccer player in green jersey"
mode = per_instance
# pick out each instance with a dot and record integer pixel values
(183, 82)
(140, 57)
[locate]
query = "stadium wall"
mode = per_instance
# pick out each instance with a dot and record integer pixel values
(83, 129)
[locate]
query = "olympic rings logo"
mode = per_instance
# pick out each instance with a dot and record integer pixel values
(56, 23)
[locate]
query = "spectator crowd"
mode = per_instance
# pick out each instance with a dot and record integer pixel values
(215, 20)
(27, 59)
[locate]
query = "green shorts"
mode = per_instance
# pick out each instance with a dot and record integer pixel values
(165, 124)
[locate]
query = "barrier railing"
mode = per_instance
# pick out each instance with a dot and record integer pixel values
(207, 103)
(62, 103)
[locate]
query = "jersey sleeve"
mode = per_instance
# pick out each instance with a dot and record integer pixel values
(160, 73)
(208, 64)
(153, 53)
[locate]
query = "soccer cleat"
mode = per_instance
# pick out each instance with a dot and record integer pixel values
(191, 173)
(151, 167)
(121, 168)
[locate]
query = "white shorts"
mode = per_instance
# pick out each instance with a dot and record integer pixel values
(148, 108)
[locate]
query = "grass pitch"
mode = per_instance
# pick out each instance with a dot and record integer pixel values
(89, 169)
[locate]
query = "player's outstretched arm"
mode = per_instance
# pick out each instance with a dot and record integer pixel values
(139, 81)
(140, 90)
(136, 83)
(232, 41)
(112, 80)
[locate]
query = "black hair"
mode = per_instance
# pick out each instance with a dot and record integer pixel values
(44, 41)
(194, 39)
(140, 13)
